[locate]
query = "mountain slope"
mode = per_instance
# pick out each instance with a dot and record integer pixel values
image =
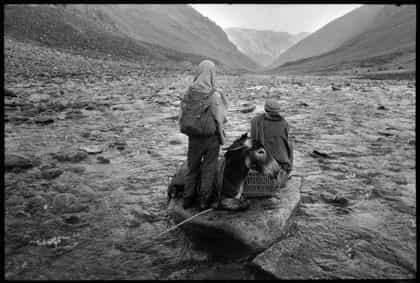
(389, 42)
(137, 32)
(331, 35)
(263, 46)
(299, 36)
(179, 27)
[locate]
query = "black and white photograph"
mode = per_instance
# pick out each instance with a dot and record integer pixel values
(209, 141)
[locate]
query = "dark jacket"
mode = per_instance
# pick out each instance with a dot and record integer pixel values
(273, 133)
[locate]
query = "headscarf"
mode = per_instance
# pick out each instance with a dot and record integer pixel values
(204, 80)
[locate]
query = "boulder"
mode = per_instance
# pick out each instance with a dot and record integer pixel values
(255, 229)
(13, 161)
(280, 261)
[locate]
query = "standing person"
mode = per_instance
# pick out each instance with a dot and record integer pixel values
(203, 113)
(272, 130)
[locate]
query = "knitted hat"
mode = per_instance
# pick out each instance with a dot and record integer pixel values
(272, 106)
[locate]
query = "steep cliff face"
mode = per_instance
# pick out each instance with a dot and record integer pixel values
(263, 46)
(331, 35)
(389, 42)
(161, 31)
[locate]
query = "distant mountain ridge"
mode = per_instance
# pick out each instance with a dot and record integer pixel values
(388, 42)
(161, 31)
(331, 35)
(263, 46)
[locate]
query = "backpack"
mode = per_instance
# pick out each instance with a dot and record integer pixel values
(196, 116)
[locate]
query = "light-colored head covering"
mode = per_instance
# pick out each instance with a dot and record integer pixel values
(204, 81)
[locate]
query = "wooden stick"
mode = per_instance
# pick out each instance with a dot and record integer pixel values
(185, 221)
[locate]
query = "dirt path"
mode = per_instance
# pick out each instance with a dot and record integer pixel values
(358, 198)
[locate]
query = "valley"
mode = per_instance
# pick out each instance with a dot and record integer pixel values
(91, 140)
(90, 145)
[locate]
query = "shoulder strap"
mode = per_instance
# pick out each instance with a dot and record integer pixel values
(219, 182)
(259, 128)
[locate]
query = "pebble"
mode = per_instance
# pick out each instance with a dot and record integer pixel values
(102, 160)
(120, 145)
(93, 149)
(247, 108)
(178, 139)
(74, 114)
(318, 154)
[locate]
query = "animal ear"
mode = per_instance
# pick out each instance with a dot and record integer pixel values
(244, 136)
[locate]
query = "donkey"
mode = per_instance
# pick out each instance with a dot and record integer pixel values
(244, 154)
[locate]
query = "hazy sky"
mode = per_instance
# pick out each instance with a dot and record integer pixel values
(278, 17)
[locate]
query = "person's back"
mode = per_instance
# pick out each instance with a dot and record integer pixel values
(202, 116)
(272, 130)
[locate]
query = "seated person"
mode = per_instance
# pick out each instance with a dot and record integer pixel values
(272, 130)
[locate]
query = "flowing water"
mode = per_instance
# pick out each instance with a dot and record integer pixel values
(357, 217)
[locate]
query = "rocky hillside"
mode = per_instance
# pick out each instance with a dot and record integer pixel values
(263, 46)
(131, 31)
(331, 35)
(389, 43)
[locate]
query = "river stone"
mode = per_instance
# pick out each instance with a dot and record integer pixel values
(38, 97)
(247, 108)
(51, 173)
(67, 203)
(35, 204)
(13, 161)
(70, 156)
(93, 149)
(178, 139)
(44, 120)
(85, 193)
(9, 93)
(256, 228)
(76, 169)
(279, 261)
(102, 160)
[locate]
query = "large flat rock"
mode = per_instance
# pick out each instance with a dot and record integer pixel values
(256, 228)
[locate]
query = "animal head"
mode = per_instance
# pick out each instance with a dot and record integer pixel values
(252, 154)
